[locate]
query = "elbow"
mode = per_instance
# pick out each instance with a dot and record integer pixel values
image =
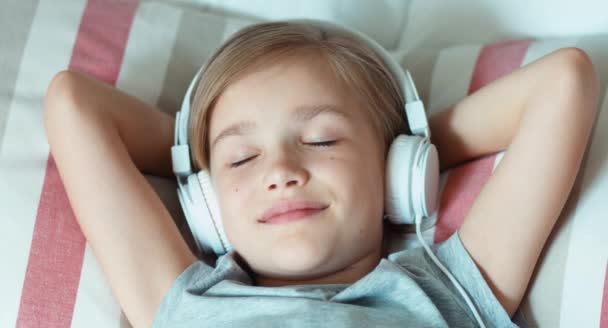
(66, 94)
(61, 88)
(60, 96)
(577, 79)
(576, 90)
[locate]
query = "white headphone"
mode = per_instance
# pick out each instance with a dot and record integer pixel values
(412, 172)
(412, 167)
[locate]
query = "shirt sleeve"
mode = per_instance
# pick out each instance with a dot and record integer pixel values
(454, 256)
(185, 279)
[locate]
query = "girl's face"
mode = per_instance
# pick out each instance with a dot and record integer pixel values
(300, 135)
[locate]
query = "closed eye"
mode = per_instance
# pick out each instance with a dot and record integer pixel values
(239, 163)
(322, 143)
(314, 144)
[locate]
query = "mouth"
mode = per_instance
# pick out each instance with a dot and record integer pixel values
(292, 211)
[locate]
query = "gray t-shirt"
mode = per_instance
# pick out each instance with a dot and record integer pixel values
(406, 289)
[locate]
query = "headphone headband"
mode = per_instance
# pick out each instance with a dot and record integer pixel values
(414, 109)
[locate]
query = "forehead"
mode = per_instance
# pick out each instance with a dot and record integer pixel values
(272, 93)
(302, 114)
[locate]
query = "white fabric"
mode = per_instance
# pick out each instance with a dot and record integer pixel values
(393, 23)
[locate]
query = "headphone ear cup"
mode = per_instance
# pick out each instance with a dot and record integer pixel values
(202, 213)
(399, 163)
(192, 219)
(412, 179)
(428, 169)
(221, 244)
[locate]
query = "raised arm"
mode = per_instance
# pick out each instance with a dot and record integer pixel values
(542, 114)
(100, 138)
(486, 121)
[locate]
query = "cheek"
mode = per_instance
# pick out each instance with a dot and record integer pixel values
(233, 216)
(345, 173)
(358, 178)
(229, 193)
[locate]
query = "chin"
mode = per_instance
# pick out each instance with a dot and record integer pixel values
(302, 258)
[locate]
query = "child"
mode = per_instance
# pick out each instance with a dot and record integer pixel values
(297, 115)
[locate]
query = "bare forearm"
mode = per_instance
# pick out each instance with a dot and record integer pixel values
(486, 121)
(449, 142)
(457, 134)
(148, 135)
(146, 131)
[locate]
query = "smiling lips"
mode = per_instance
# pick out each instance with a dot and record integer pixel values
(288, 211)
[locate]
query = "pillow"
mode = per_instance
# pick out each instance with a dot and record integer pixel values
(151, 50)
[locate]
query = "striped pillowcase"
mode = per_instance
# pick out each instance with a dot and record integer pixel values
(151, 50)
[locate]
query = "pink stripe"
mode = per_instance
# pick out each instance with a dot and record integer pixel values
(57, 251)
(463, 185)
(56, 254)
(102, 38)
(466, 181)
(604, 313)
(497, 60)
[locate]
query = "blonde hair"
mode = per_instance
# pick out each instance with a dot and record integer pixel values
(350, 60)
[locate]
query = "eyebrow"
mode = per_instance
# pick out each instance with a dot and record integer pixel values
(302, 113)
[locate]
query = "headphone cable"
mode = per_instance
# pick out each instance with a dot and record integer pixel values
(447, 273)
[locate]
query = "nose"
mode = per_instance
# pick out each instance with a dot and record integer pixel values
(285, 172)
